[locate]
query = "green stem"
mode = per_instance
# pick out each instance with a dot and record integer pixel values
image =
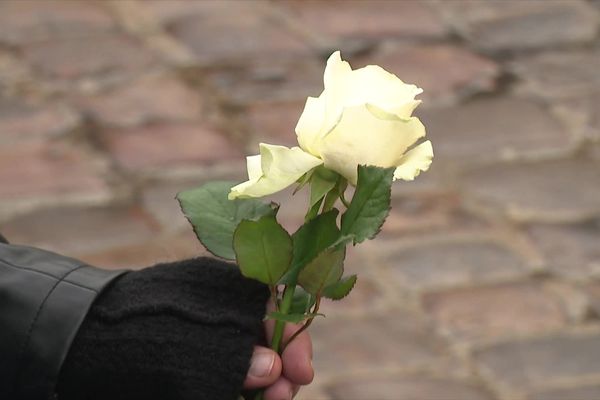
(314, 210)
(305, 326)
(286, 304)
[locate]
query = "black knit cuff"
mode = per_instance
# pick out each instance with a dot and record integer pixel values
(181, 330)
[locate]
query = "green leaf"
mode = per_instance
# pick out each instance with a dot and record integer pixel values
(302, 301)
(214, 217)
(304, 179)
(315, 236)
(370, 204)
(293, 318)
(263, 249)
(320, 184)
(312, 239)
(330, 199)
(323, 271)
(340, 289)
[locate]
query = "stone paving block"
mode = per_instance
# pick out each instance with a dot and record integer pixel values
(408, 388)
(534, 364)
(445, 72)
(228, 33)
(14, 74)
(379, 19)
(77, 230)
(570, 251)
(436, 181)
(491, 312)
(273, 123)
(21, 119)
(494, 129)
(448, 263)
(152, 98)
(399, 339)
(269, 81)
(159, 200)
(427, 213)
(595, 151)
(581, 114)
(574, 393)
(495, 26)
(169, 145)
(27, 21)
(558, 74)
(561, 190)
(99, 56)
(366, 295)
(154, 250)
(33, 172)
(168, 12)
(592, 129)
(592, 290)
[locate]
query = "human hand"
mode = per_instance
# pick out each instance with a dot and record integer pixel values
(281, 376)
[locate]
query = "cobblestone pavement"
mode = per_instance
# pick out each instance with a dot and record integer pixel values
(485, 283)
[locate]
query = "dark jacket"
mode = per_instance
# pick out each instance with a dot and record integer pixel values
(175, 331)
(44, 298)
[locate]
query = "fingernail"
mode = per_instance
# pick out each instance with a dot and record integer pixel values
(261, 363)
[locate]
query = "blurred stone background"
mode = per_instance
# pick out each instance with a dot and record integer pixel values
(485, 282)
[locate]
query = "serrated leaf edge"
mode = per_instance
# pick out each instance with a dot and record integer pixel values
(349, 291)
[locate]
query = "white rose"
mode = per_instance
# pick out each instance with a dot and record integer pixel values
(363, 117)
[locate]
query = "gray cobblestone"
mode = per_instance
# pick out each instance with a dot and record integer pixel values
(554, 191)
(558, 74)
(450, 263)
(409, 388)
(527, 365)
(494, 26)
(495, 129)
(571, 250)
(576, 393)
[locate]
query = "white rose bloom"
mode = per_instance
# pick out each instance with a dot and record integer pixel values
(363, 117)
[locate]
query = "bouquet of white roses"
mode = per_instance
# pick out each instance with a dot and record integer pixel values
(360, 132)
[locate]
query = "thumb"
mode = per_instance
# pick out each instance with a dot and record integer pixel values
(265, 368)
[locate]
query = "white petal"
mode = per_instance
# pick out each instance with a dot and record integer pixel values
(254, 167)
(374, 85)
(280, 167)
(310, 124)
(414, 161)
(243, 190)
(336, 82)
(363, 138)
(336, 72)
(321, 114)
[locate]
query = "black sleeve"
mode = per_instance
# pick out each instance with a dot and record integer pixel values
(182, 330)
(3, 239)
(44, 299)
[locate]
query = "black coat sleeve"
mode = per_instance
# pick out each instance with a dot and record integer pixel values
(44, 298)
(182, 330)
